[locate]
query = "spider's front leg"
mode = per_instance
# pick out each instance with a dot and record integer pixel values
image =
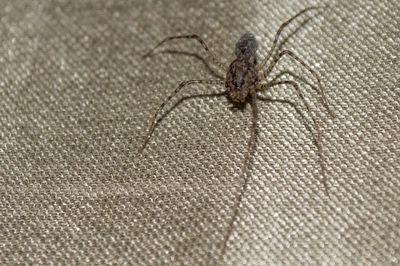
(213, 58)
(278, 33)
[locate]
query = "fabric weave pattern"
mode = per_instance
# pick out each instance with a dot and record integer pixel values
(76, 99)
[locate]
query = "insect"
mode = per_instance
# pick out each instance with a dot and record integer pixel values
(243, 80)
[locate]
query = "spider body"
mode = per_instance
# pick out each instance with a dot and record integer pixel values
(242, 75)
(242, 81)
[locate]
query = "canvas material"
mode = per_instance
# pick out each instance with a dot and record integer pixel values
(77, 98)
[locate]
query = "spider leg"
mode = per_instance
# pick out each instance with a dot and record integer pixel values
(294, 84)
(243, 169)
(262, 64)
(180, 87)
(214, 59)
(253, 129)
(315, 125)
(265, 74)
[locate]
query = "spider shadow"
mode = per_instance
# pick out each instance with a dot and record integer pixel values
(292, 104)
(308, 128)
(307, 125)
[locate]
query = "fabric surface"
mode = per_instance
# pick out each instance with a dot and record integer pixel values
(77, 98)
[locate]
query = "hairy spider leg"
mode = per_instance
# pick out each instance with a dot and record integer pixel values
(294, 84)
(262, 64)
(265, 74)
(243, 169)
(315, 125)
(180, 87)
(213, 58)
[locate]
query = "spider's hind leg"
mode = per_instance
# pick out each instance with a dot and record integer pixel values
(243, 170)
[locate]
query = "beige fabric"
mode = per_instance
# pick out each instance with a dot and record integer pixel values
(76, 99)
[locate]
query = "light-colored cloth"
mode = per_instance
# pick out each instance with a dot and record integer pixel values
(77, 98)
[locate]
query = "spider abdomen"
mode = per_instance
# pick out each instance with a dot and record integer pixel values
(240, 78)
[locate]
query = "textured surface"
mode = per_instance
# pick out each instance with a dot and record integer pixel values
(76, 100)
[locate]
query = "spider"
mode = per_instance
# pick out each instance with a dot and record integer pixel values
(242, 81)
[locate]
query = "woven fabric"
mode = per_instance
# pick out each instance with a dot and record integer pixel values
(77, 98)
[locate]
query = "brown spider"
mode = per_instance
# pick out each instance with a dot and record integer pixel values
(242, 82)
